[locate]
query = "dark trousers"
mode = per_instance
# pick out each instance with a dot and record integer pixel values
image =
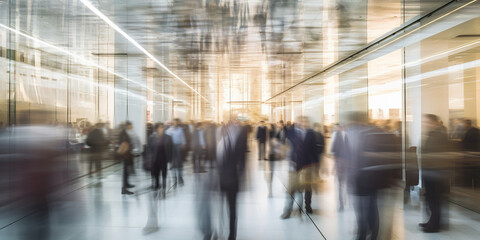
(126, 166)
(177, 162)
(197, 160)
(95, 159)
(433, 194)
(211, 155)
(366, 210)
(231, 195)
(156, 170)
(261, 150)
(308, 195)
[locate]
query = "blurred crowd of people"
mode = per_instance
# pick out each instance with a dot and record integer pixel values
(367, 160)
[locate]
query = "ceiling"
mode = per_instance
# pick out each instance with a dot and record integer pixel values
(245, 50)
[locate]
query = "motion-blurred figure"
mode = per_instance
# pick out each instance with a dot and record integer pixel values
(198, 147)
(206, 187)
(374, 160)
(124, 153)
(471, 139)
(262, 140)
(160, 153)
(320, 144)
(179, 142)
(231, 153)
(277, 152)
(435, 178)
(248, 129)
(272, 132)
(289, 125)
(187, 132)
(97, 142)
(339, 151)
(303, 157)
(458, 129)
(211, 141)
(33, 154)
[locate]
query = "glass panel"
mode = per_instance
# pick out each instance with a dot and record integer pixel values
(442, 79)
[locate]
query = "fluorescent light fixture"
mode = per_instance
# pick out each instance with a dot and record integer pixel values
(97, 12)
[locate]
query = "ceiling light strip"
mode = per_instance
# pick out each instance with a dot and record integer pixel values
(97, 12)
(351, 58)
(81, 59)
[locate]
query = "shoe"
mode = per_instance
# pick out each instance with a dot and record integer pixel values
(286, 215)
(423, 225)
(126, 192)
(130, 186)
(430, 229)
(308, 209)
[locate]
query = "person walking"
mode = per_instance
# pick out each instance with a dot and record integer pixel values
(98, 143)
(339, 155)
(231, 154)
(262, 139)
(198, 147)
(124, 153)
(303, 157)
(160, 153)
(179, 142)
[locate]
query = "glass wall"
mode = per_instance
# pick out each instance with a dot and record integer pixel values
(433, 69)
(442, 79)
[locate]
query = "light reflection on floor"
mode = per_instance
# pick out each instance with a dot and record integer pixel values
(99, 211)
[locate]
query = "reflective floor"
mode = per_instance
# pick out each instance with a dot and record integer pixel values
(93, 208)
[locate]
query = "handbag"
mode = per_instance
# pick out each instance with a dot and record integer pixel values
(123, 148)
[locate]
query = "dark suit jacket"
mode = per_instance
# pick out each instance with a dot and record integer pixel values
(96, 140)
(232, 162)
(471, 139)
(262, 134)
(196, 146)
(320, 143)
(304, 150)
(153, 142)
(128, 156)
(436, 142)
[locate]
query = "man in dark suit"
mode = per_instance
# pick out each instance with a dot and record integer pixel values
(435, 179)
(126, 156)
(262, 139)
(160, 147)
(97, 142)
(231, 153)
(303, 157)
